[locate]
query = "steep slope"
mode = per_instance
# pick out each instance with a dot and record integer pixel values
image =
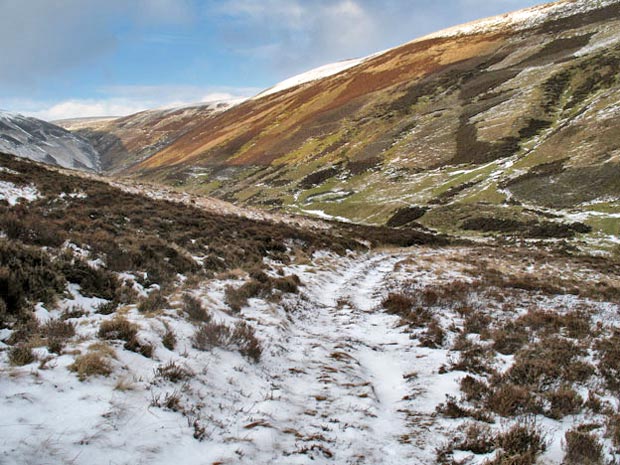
(142, 330)
(126, 141)
(493, 120)
(42, 141)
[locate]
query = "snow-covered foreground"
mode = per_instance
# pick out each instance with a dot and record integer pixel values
(339, 381)
(330, 388)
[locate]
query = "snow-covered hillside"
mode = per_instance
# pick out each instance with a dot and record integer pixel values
(522, 19)
(317, 73)
(42, 141)
(339, 381)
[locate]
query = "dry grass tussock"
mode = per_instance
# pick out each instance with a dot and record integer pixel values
(534, 334)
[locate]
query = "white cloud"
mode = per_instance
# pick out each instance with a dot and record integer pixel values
(291, 36)
(126, 100)
(86, 108)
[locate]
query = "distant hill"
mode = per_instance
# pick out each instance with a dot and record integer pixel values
(126, 141)
(45, 142)
(503, 118)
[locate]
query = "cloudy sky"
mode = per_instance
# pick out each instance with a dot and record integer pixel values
(69, 58)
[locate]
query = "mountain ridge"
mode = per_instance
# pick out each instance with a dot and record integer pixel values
(504, 117)
(39, 140)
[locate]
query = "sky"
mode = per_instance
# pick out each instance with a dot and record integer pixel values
(78, 58)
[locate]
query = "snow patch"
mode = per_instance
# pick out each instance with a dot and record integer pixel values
(312, 75)
(13, 193)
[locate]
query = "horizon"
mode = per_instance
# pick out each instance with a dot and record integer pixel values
(113, 59)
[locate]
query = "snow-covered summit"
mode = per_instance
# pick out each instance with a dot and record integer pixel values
(518, 20)
(41, 141)
(522, 19)
(214, 105)
(312, 75)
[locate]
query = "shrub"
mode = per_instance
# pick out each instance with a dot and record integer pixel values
(520, 445)
(405, 306)
(244, 337)
(142, 348)
(609, 360)
(563, 401)
(476, 322)
(473, 389)
(27, 275)
(107, 308)
(434, 335)
(74, 312)
(477, 438)
(259, 285)
(209, 335)
(398, 304)
(58, 329)
(474, 359)
(613, 430)
(237, 298)
(55, 346)
(30, 229)
(593, 402)
(213, 334)
(546, 362)
(541, 320)
(194, 309)
(118, 328)
(91, 364)
(173, 372)
(21, 355)
(582, 448)
(509, 339)
(171, 401)
(451, 409)
(508, 400)
(24, 330)
(125, 294)
(93, 282)
(154, 302)
(472, 437)
(57, 332)
(418, 317)
(122, 329)
(577, 324)
(287, 284)
(169, 339)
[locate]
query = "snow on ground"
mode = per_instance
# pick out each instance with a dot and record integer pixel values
(312, 75)
(518, 20)
(44, 142)
(522, 19)
(330, 387)
(339, 381)
(13, 193)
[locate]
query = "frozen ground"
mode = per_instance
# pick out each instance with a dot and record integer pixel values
(339, 381)
(330, 387)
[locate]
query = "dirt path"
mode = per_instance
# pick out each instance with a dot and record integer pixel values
(346, 374)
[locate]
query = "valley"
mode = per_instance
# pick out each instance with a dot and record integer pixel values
(411, 257)
(513, 117)
(323, 351)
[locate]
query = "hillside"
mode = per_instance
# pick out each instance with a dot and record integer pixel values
(488, 127)
(124, 142)
(140, 330)
(39, 140)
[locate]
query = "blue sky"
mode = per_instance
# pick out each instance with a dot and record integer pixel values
(69, 58)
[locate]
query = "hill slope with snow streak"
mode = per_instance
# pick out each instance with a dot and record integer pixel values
(39, 140)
